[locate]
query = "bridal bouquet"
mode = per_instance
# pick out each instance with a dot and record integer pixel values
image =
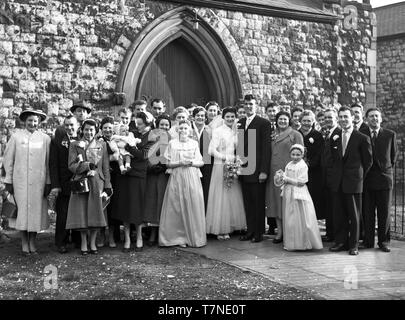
(232, 169)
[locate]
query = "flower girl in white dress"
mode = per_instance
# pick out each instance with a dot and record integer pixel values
(300, 225)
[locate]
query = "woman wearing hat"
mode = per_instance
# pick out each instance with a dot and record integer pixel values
(88, 159)
(27, 178)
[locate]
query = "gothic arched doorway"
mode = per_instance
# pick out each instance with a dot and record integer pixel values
(171, 60)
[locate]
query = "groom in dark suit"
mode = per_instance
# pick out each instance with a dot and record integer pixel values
(378, 183)
(254, 149)
(351, 158)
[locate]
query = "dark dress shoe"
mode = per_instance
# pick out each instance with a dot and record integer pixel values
(257, 239)
(246, 237)
(385, 249)
(275, 240)
(338, 247)
(327, 239)
(62, 250)
(26, 253)
(84, 252)
(353, 252)
(93, 251)
(126, 250)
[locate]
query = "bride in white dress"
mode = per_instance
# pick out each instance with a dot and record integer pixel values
(225, 210)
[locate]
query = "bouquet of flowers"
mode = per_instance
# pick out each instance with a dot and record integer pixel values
(232, 169)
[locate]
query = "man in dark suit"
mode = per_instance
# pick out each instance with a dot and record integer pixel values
(254, 149)
(378, 183)
(271, 110)
(60, 179)
(358, 123)
(331, 132)
(352, 158)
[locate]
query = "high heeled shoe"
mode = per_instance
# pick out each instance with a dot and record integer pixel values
(275, 240)
(84, 252)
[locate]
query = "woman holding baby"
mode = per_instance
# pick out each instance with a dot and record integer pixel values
(129, 195)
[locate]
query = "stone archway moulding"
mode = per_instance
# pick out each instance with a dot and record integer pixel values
(206, 42)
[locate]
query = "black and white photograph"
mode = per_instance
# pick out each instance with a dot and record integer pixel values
(201, 155)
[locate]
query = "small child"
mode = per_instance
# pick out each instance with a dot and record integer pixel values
(300, 225)
(123, 138)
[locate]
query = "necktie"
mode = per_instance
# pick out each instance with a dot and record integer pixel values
(373, 137)
(344, 141)
(326, 134)
(247, 123)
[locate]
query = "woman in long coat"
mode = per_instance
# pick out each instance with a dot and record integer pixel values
(129, 200)
(88, 157)
(282, 141)
(27, 177)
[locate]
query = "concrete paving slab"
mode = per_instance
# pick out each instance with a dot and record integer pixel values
(372, 274)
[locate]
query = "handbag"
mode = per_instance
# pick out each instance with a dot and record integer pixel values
(9, 209)
(80, 186)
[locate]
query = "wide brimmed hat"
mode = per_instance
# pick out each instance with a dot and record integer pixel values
(27, 112)
(80, 104)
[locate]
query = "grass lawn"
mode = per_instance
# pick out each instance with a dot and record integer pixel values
(153, 274)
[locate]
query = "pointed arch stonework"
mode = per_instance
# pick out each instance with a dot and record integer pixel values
(212, 42)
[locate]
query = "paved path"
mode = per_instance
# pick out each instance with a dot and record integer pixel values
(379, 275)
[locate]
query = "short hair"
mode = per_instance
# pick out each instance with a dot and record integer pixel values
(144, 117)
(320, 114)
(180, 110)
(344, 108)
(138, 103)
(249, 97)
(163, 117)
(90, 122)
(306, 113)
(157, 100)
(229, 110)
(354, 105)
(331, 109)
(191, 105)
(125, 110)
(107, 119)
(271, 105)
(211, 103)
(198, 110)
(282, 113)
(295, 109)
(373, 109)
(68, 117)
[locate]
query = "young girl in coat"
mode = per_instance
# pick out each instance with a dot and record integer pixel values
(300, 226)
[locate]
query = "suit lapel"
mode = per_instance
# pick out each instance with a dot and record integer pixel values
(349, 144)
(251, 122)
